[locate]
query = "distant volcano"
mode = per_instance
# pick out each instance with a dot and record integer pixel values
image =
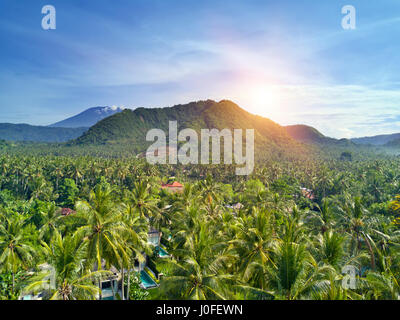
(88, 117)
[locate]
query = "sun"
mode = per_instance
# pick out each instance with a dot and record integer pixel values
(264, 100)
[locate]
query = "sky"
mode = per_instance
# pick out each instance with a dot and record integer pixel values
(290, 61)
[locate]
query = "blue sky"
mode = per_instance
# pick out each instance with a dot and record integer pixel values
(290, 61)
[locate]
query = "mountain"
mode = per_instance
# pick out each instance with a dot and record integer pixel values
(130, 127)
(25, 132)
(307, 134)
(378, 140)
(62, 131)
(88, 117)
(395, 143)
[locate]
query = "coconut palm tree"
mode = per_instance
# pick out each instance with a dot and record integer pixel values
(104, 228)
(65, 277)
(355, 217)
(49, 221)
(15, 250)
(135, 239)
(331, 248)
(294, 272)
(253, 242)
(384, 285)
(209, 190)
(323, 218)
(142, 199)
(192, 279)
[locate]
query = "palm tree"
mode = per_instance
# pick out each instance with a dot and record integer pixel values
(135, 239)
(193, 280)
(66, 278)
(294, 272)
(58, 172)
(384, 285)
(49, 221)
(15, 249)
(355, 218)
(331, 248)
(323, 219)
(200, 269)
(142, 199)
(254, 241)
(332, 289)
(104, 228)
(209, 190)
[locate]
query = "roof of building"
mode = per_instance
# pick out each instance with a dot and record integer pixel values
(173, 185)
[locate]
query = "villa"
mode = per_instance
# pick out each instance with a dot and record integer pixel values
(110, 285)
(154, 239)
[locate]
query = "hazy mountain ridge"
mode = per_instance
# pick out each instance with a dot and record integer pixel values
(114, 125)
(62, 131)
(378, 140)
(308, 134)
(26, 132)
(395, 143)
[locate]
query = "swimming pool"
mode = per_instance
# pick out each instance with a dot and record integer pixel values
(147, 281)
(107, 294)
(162, 253)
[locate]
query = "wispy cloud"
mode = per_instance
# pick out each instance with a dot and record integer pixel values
(288, 61)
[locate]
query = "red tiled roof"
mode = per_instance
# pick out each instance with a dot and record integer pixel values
(174, 185)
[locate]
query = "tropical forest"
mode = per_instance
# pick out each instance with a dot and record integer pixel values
(320, 223)
(170, 151)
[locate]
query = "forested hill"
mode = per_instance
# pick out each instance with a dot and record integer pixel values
(25, 132)
(380, 140)
(307, 134)
(131, 127)
(393, 143)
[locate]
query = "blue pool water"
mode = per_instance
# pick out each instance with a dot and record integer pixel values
(146, 280)
(162, 253)
(107, 294)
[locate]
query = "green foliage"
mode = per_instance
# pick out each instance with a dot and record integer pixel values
(6, 284)
(68, 193)
(135, 291)
(229, 237)
(346, 156)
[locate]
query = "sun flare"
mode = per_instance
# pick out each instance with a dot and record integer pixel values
(264, 100)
